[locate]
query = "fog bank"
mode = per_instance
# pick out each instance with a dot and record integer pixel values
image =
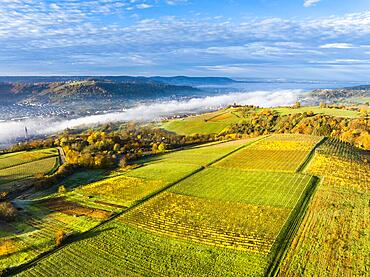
(11, 130)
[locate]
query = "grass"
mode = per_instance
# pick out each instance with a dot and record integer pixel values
(210, 123)
(333, 239)
(208, 220)
(318, 110)
(34, 233)
(121, 190)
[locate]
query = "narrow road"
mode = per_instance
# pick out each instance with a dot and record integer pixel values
(61, 155)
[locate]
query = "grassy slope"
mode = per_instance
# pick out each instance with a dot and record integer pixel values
(23, 165)
(207, 123)
(166, 171)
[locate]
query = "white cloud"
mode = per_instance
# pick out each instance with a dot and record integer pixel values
(310, 3)
(337, 45)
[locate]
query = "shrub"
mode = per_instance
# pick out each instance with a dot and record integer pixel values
(59, 237)
(7, 211)
(62, 189)
(4, 196)
(7, 247)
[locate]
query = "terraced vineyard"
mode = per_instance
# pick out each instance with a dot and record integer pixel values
(334, 237)
(213, 221)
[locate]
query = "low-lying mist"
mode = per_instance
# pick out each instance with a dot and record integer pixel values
(12, 130)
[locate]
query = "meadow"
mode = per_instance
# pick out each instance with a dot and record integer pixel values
(220, 209)
(84, 205)
(319, 110)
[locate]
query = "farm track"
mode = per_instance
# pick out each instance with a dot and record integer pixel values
(18, 269)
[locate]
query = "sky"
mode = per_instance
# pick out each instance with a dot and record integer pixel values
(292, 39)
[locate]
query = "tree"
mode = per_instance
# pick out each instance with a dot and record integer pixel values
(162, 147)
(297, 105)
(62, 189)
(155, 148)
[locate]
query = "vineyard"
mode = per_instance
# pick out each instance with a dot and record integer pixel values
(198, 225)
(24, 165)
(333, 239)
(277, 153)
(223, 209)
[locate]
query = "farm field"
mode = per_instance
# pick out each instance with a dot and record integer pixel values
(284, 153)
(333, 239)
(318, 110)
(196, 227)
(18, 158)
(155, 173)
(25, 165)
(86, 205)
(209, 123)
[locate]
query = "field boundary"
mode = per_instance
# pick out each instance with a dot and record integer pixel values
(74, 238)
(292, 228)
(310, 155)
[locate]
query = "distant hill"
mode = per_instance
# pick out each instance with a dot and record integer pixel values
(177, 80)
(88, 90)
(194, 81)
(342, 94)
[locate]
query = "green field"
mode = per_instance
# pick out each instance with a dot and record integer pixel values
(222, 209)
(284, 153)
(210, 123)
(216, 122)
(87, 204)
(117, 249)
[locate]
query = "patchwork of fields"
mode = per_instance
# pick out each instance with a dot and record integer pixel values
(192, 213)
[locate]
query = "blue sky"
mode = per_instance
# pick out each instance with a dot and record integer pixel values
(300, 39)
